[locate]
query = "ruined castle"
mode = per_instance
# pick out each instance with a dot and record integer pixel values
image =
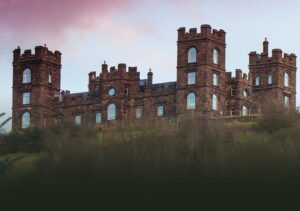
(118, 93)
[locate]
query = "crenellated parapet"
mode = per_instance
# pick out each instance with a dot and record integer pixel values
(206, 32)
(41, 53)
(277, 56)
(121, 72)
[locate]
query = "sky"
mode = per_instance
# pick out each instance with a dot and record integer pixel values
(138, 33)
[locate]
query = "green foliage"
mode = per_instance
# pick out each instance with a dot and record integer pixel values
(195, 152)
(2, 131)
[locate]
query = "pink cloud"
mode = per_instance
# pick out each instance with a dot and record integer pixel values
(52, 17)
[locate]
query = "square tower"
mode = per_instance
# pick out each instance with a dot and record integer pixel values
(201, 70)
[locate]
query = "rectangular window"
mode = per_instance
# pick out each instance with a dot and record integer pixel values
(286, 101)
(138, 113)
(26, 98)
(257, 81)
(98, 118)
(270, 79)
(160, 110)
(191, 78)
(78, 119)
(215, 79)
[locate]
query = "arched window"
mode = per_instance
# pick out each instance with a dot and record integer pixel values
(215, 56)
(244, 111)
(50, 78)
(214, 102)
(111, 112)
(26, 120)
(191, 101)
(192, 55)
(245, 93)
(257, 81)
(27, 76)
(286, 79)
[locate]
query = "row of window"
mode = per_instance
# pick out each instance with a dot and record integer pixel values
(192, 55)
(270, 80)
(111, 110)
(27, 76)
(111, 115)
(192, 78)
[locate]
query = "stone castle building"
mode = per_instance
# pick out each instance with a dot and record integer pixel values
(117, 94)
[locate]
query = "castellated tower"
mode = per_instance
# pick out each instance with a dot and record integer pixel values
(274, 77)
(36, 81)
(201, 70)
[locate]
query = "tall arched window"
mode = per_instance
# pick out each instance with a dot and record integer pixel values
(27, 76)
(192, 55)
(214, 102)
(50, 78)
(244, 111)
(191, 101)
(26, 120)
(111, 112)
(215, 56)
(286, 79)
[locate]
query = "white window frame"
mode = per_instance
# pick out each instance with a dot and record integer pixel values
(191, 101)
(50, 78)
(257, 81)
(26, 98)
(138, 113)
(77, 119)
(215, 79)
(192, 55)
(111, 112)
(25, 120)
(244, 111)
(160, 111)
(214, 102)
(215, 56)
(270, 79)
(191, 78)
(98, 117)
(26, 76)
(286, 79)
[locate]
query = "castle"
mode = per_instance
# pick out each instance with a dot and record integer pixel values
(117, 94)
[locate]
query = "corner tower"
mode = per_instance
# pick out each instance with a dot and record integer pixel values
(274, 77)
(201, 70)
(36, 80)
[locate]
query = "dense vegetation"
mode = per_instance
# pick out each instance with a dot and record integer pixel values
(193, 154)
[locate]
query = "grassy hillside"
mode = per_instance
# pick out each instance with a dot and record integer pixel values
(195, 154)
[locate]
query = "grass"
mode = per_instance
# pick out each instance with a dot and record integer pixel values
(195, 154)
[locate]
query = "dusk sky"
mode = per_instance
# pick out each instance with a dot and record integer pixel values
(138, 33)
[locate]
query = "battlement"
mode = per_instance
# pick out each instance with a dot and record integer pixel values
(206, 32)
(277, 57)
(41, 52)
(239, 76)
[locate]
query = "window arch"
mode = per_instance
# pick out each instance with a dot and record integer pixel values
(111, 112)
(27, 76)
(245, 93)
(26, 120)
(215, 56)
(50, 78)
(244, 111)
(286, 79)
(192, 55)
(191, 101)
(214, 102)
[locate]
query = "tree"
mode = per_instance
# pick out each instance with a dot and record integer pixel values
(2, 130)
